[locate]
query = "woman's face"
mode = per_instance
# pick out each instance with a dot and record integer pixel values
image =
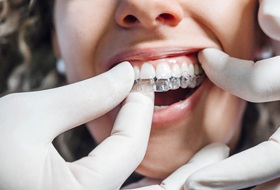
(95, 35)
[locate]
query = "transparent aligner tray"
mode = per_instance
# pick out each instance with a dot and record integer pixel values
(163, 85)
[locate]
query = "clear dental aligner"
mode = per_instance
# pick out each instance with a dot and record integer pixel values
(167, 77)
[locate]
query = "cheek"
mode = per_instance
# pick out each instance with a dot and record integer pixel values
(234, 25)
(223, 117)
(79, 29)
(241, 41)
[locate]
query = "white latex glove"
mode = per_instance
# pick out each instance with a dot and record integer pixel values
(256, 82)
(269, 18)
(209, 155)
(254, 166)
(30, 121)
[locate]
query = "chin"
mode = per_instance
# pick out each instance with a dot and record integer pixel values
(174, 143)
(172, 146)
(160, 167)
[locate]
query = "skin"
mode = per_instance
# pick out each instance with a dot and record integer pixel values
(89, 32)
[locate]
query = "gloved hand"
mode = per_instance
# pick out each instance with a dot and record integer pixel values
(256, 82)
(253, 81)
(269, 18)
(209, 155)
(30, 121)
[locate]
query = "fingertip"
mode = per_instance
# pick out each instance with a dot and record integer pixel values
(220, 147)
(211, 51)
(269, 18)
(123, 73)
(144, 98)
(149, 95)
(212, 59)
(203, 57)
(216, 151)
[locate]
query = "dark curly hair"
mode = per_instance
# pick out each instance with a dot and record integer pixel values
(26, 26)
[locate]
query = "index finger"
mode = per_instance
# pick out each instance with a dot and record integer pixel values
(61, 109)
(255, 82)
(269, 18)
(251, 167)
(206, 156)
(118, 156)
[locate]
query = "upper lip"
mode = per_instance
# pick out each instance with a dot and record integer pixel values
(147, 54)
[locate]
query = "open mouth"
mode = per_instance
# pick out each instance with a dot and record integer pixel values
(165, 99)
(173, 79)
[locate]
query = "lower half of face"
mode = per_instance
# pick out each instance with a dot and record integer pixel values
(179, 130)
(212, 116)
(184, 120)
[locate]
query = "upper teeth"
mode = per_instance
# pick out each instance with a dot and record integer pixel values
(147, 71)
(166, 77)
(163, 71)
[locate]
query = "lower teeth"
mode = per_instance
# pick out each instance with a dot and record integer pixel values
(163, 85)
(157, 108)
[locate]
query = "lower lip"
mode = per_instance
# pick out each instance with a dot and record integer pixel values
(179, 110)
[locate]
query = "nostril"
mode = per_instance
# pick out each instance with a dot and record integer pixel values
(166, 16)
(130, 19)
(148, 14)
(170, 19)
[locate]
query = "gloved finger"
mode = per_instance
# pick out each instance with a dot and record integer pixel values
(271, 185)
(269, 18)
(255, 82)
(152, 187)
(251, 167)
(206, 156)
(145, 182)
(120, 154)
(60, 109)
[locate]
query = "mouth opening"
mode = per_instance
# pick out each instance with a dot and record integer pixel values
(168, 98)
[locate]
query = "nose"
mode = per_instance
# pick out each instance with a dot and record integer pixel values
(148, 13)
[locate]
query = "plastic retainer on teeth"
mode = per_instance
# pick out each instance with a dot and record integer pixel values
(163, 85)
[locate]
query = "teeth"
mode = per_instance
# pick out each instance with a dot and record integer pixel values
(157, 108)
(147, 71)
(176, 71)
(191, 70)
(196, 70)
(146, 85)
(188, 82)
(174, 83)
(165, 78)
(185, 81)
(163, 71)
(184, 69)
(161, 85)
(136, 73)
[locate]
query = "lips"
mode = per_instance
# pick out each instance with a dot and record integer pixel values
(172, 105)
(147, 54)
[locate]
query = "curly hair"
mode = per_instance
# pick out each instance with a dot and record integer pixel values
(26, 26)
